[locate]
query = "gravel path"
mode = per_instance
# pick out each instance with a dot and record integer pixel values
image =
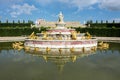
(109, 39)
(19, 38)
(12, 39)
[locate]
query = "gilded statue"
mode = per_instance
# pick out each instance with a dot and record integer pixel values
(32, 36)
(45, 35)
(88, 36)
(74, 35)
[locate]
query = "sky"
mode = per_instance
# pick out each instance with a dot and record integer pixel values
(73, 10)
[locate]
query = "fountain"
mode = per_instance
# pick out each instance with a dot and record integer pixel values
(60, 38)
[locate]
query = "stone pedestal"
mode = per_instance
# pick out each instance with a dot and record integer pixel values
(60, 25)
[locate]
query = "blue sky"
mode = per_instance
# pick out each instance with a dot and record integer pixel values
(73, 10)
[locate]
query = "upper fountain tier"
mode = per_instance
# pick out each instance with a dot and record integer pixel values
(60, 24)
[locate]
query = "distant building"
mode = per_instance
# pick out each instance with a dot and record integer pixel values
(42, 22)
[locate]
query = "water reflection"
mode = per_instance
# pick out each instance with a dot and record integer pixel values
(53, 65)
(60, 58)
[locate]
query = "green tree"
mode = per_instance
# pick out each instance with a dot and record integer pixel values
(18, 21)
(23, 21)
(96, 21)
(113, 21)
(7, 21)
(91, 21)
(31, 22)
(13, 21)
(101, 21)
(106, 21)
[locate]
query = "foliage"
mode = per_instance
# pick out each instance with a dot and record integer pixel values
(17, 31)
(105, 32)
(11, 25)
(108, 25)
(14, 24)
(42, 28)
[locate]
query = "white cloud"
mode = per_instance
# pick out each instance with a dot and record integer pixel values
(44, 2)
(81, 4)
(9, 2)
(110, 4)
(22, 9)
(54, 15)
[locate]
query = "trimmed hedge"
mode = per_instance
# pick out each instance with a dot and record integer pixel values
(13, 25)
(102, 25)
(105, 32)
(17, 32)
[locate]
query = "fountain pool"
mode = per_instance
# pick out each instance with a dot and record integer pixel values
(22, 65)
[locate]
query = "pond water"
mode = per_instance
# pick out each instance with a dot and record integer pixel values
(22, 65)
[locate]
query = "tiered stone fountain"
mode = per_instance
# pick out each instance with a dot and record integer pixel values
(61, 38)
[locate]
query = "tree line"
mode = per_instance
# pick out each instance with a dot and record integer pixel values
(103, 24)
(16, 24)
(105, 32)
